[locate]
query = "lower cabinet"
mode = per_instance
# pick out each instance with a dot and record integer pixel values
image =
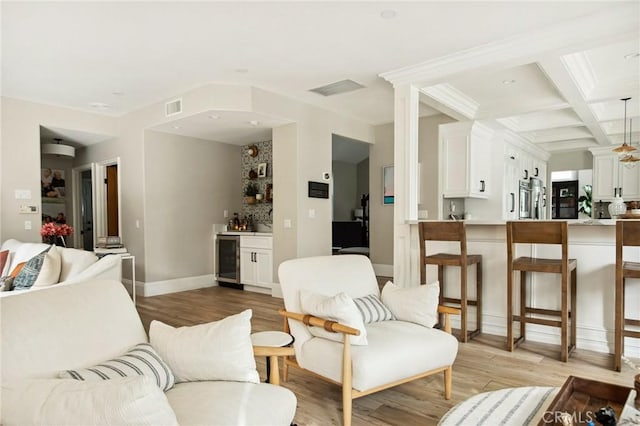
(256, 261)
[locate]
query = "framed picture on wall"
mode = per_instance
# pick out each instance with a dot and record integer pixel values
(387, 185)
(52, 183)
(262, 170)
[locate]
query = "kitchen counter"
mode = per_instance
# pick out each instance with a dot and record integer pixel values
(248, 233)
(591, 243)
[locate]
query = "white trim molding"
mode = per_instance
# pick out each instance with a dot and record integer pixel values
(155, 288)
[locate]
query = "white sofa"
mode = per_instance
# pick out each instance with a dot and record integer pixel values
(79, 325)
(75, 265)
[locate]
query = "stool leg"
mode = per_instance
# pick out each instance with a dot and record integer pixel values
(523, 305)
(564, 319)
(510, 308)
(441, 296)
(619, 322)
(463, 303)
(479, 296)
(574, 308)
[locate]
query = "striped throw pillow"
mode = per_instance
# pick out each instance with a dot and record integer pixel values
(372, 309)
(142, 360)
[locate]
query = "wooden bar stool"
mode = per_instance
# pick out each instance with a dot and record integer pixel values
(627, 234)
(453, 231)
(541, 232)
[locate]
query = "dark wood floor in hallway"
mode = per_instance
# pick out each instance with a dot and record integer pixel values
(482, 364)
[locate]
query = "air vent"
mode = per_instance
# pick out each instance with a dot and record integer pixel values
(337, 88)
(173, 107)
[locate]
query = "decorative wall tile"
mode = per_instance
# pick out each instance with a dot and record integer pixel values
(261, 211)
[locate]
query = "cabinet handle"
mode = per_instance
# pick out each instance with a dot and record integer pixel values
(536, 169)
(526, 174)
(481, 186)
(513, 202)
(620, 191)
(253, 256)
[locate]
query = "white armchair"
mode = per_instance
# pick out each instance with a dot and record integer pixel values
(397, 351)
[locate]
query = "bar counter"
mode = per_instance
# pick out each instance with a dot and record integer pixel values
(592, 243)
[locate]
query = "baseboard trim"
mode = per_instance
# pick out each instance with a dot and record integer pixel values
(383, 270)
(156, 288)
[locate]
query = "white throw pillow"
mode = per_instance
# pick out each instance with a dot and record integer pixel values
(50, 271)
(340, 308)
(141, 360)
(219, 350)
(131, 400)
(413, 304)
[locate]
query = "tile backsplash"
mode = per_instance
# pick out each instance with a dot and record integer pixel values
(261, 210)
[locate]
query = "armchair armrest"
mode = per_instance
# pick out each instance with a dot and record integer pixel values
(447, 311)
(332, 326)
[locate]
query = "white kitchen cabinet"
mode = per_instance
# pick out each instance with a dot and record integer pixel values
(611, 178)
(256, 261)
(465, 160)
(511, 185)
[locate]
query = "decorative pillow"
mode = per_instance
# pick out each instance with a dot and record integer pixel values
(29, 273)
(4, 261)
(219, 350)
(413, 304)
(142, 360)
(17, 269)
(130, 401)
(6, 283)
(372, 309)
(50, 271)
(340, 308)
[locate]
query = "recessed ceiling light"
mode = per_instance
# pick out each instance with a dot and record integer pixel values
(254, 122)
(213, 116)
(632, 55)
(117, 93)
(388, 14)
(508, 81)
(177, 127)
(99, 105)
(242, 70)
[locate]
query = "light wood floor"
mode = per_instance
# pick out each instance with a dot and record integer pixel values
(482, 364)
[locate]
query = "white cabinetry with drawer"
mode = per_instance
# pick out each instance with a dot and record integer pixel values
(256, 261)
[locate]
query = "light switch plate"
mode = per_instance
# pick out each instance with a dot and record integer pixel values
(22, 194)
(287, 223)
(28, 209)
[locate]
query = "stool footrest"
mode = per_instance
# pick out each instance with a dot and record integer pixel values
(517, 341)
(629, 321)
(540, 321)
(631, 333)
(458, 301)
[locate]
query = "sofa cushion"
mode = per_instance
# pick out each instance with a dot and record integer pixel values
(340, 308)
(219, 350)
(396, 351)
(372, 309)
(50, 271)
(141, 360)
(4, 262)
(417, 304)
(30, 271)
(232, 403)
(135, 400)
(66, 326)
(75, 261)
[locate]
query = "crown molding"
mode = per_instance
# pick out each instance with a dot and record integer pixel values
(569, 145)
(453, 98)
(602, 27)
(519, 141)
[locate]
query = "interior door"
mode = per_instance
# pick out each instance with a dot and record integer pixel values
(112, 200)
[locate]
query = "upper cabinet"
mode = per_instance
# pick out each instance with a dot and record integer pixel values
(465, 160)
(611, 178)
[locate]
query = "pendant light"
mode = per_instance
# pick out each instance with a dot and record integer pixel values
(629, 160)
(58, 149)
(625, 149)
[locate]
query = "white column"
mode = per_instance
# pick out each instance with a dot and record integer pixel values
(405, 270)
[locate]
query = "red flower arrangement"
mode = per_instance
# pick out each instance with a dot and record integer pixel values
(52, 232)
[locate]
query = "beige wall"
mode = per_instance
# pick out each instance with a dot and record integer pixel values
(569, 161)
(20, 157)
(345, 187)
(381, 154)
(189, 183)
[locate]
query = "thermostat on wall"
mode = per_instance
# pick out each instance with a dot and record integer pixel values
(28, 209)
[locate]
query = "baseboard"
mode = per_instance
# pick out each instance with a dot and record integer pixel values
(382, 270)
(589, 338)
(155, 288)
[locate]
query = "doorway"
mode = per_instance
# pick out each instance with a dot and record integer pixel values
(86, 209)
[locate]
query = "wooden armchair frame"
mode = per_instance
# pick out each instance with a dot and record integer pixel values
(348, 393)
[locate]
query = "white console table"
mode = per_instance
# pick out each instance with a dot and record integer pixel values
(132, 258)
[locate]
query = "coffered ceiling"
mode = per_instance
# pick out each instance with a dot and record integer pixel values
(115, 57)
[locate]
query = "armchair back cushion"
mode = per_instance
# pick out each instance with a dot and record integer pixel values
(46, 335)
(323, 275)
